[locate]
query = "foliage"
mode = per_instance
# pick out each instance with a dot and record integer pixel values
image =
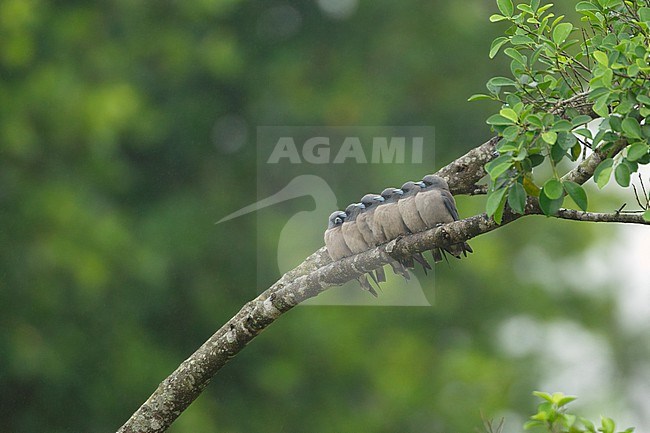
(554, 61)
(552, 417)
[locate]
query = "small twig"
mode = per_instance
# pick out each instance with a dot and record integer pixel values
(646, 196)
(636, 196)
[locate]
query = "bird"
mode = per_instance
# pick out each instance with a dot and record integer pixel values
(337, 248)
(388, 224)
(410, 215)
(436, 206)
(354, 239)
(407, 207)
(364, 219)
(388, 221)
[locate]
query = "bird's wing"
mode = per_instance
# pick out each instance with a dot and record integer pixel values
(450, 204)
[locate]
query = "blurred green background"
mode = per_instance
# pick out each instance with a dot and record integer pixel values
(127, 128)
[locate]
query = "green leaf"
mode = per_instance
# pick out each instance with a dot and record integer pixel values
(500, 82)
(548, 206)
(566, 140)
(615, 123)
(517, 198)
(534, 119)
(496, 45)
(498, 166)
(495, 18)
(562, 400)
(521, 40)
(525, 8)
(497, 119)
(636, 151)
(510, 133)
(507, 145)
(509, 113)
(536, 159)
(603, 172)
(622, 175)
(561, 32)
(561, 125)
(515, 55)
(644, 99)
(646, 215)
(600, 106)
(580, 120)
(506, 7)
(608, 425)
(644, 14)
(553, 189)
(601, 58)
(632, 165)
(557, 153)
(577, 194)
(586, 6)
(495, 201)
(549, 136)
(543, 395)
(632, 128)
(633, 70)
(479, 97)
(575, 152)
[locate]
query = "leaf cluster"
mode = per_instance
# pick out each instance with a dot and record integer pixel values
(564, 76)
(552, 417)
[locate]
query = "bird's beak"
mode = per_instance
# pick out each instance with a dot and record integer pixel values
(420, 184)
(380, 198)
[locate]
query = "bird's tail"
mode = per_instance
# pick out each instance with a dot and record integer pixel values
(458, 250)
(381, 275)
(365, 285)
(399, 269)
(421, 260)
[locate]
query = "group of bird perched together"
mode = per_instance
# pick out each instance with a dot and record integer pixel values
(379, 218)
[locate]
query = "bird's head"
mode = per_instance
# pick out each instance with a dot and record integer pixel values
(370, 200)
(336, 219)
(433, 181)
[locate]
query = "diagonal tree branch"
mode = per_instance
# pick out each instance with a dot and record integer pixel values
(317, 273)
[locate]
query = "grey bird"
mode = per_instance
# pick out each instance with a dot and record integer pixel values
(410, 214)
(364, 219)
(407, 207)
(337, 248)
(354, 239)
(436, 206)
(351, 233)
(388, 223)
